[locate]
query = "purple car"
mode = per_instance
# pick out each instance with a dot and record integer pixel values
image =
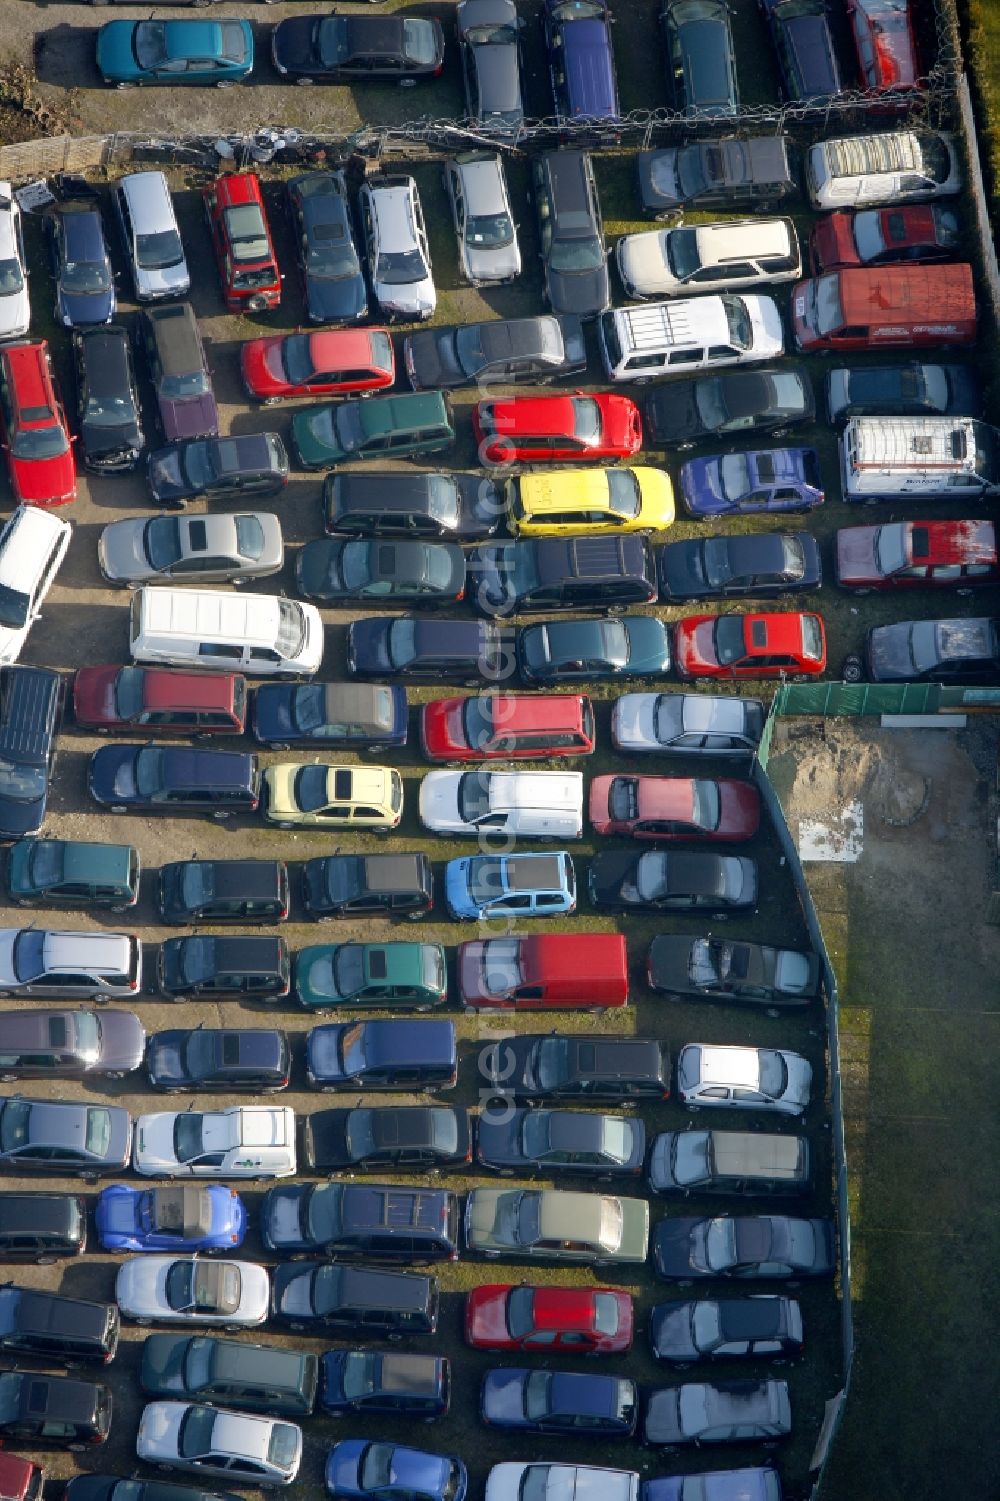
(766, 479)
(581, 62)
(175, 358)
(759, 1483)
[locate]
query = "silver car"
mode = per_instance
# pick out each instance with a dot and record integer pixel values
(225, 548)
(239, 1447)
(741, 1078)
(480, 207)
(688, 723)
(396, 249)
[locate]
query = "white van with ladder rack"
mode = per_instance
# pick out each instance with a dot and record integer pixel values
(931, 458)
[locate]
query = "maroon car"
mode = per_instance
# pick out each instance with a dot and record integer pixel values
(883, 236)
(674, 807)
(917, 554)
(160, 700)
(175, 359)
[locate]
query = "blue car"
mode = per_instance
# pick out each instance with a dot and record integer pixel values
(559, 1402)
(359, 716)
(189, 1217)
(766, 479)
(758, 1483)
(581, 62)
(202, 52)
(357, 1469)
(481, 886)
(81, 269)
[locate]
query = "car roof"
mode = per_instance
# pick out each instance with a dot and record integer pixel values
(886, 151)
(718, 243)
(29, 704)
(399, 1039)
(241, 1433)
(29, 375)
(107, 356)
(392, 204)
(175, 329)
(410, 1375)
(248, 951)
(521, 712)
(339, 348)
(702, 714)
(778, 631)
(34, 1028)
(576, 490)
(434, 638)
(246, 878)
(44, 1212)
(170, 689)
(734, 1065)
(528, 872)
(96, 953)
(481, 174)
(564, 1214)
(589, 557)
(395, 872)
(385, 1206)
(533, 789)
(184, 766)
(562, 1307)
(384, 492)
(82, 227)
(566, 170)
(149, 200)
(234, 188)
(92, 861)
(945, 542)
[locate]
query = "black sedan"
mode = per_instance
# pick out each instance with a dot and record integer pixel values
(736, 402)
(363, 716)
(219, 1058)
(724, 1328)
(107, 400)
(507, 349)
(579, 1404)
(491, 66)
(333, 284)
(764, 564)
(673, 881)
(417, 1138)
(436, 651)
(244, 465)
(524, 1142)
(391, 503)
(718, 969)
(119, 1488)
(936, 651)
(334, 48)
(567, 651)
(744, 1245)
(404, 572)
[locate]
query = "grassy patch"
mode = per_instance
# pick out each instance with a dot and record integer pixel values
(982, 18)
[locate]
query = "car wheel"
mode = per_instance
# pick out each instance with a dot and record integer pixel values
(7, 1078)
(222, 813)
(123, 85)
(304, 83)
(117, 808)
(121, 907)
(283, 823)
(117, 1073)
(853, 669)
(226, 83)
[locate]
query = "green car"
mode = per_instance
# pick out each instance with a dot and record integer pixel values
(378, 427)
(50, 872)
(554, 1224)
(388, 975)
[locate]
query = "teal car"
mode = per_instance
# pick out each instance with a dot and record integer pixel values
(202, 52)
(72, 873)
(397, 976)
(376, 427)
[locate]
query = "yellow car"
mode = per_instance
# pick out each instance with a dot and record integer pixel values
(630, 499)
(316, 794)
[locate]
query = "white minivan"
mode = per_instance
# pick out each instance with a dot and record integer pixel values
(647, 339)
(32, 545)
(928, 458)
(261, 634)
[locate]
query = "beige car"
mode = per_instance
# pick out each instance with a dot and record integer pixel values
(549, 1224)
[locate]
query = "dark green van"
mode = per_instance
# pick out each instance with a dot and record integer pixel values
(69, 872)
(397, 976)
(257, 1378)
(378, 427)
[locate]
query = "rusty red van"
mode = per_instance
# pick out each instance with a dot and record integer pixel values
(547, 971)
(885, 307)
(20, 1479)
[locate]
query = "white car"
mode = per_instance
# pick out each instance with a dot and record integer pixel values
(899, 166)
(488, 251)
(533, 804)
(396, 248)
(15, 312)
(738, 1078)
(709, 257)
(32, 546)
(513, 1481)
(193, 1290)
(240, 1141)
(231, 1446)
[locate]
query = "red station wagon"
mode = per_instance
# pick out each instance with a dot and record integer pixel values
(546, 971)
(39, 447)
(880, 236)
(160, 699)
(750, 646)
(917, 554)
(882, 31)
(242, 242)
(648, 807)
(327, 362)
(497, 726)
(20, 1479)
(522, 429)
(582, 1320)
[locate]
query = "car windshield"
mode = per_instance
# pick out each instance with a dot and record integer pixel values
(356, 566)
(419, 41)
(890, 548)
(489, 231)
(689, 1157)
(14, 1125)
(282, 1445)
(624, 492)
(682, 253)
(194, 1436)
(553, 1062)
(473, 795)
(829, 310)
(469, 348)
(311, 788)
(309, 707)
(348, 426)
(358, 1373)
(734, 476)
(728, 638)
(330, 253)
(29, 954)
(13, 606)
(444, 501)
(353, 1057)
(291, 629)
(535, 1483)
(773, 1072)
(586, 419)
(793, 972)
(347, 969)
(129, 694)
(623, 798)
(485, 878)
(295, 357)
(197, 959)
(149, 43)
(720, 1244)
(500, 966)
(706, 1326)
(11, 278)
(97, 1139)
(40, 442)
(199, 1054)
(247, 232)
(322, 1211)
(45, 862)
(520, 1311)
(161, 542)
(396, 267)
(573, 257)
(376, 1467)
(155, 252)
(537, 1402)
(477, 721)
(190, 383)
(402, 642)
(707, 806)
(188, 1126)
(108, 410)
(22, 784)
(812, 638)
(85, 278)
(331, 40)
(578, 10)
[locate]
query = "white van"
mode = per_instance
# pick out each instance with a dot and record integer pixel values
(32, 546)
(645, 340)
(931, 458)
(708, 257)
(261, 634)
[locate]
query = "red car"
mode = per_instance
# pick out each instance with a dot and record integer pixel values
(159, 699)
(582, 1320)
(329, 362)
(491, 726)
(879, 236)
(750, 646)
(523, 429)
(674, 807)
(242, 242)
(39, 447)
(883, 39)
(917, 554)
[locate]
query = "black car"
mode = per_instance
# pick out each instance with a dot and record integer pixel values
(573, 1403)
(391, 503)
(930, 651)
(31, 705)
(701, 58)
(406, 1386)
(577, 1066)
(396, 885)
(64, 1043)
(333, 284)
(52, 1412)
(720, 1328)
(574, 255)
(764, 564)
(491, 63)
(731, 174)
(911, 389)
(435, 651)
(673, 881)
(508, 349)
(748, 1245)
(571, 650)
(108, 414)
(733, 402)
(800, 30)
(376, 1220)
(59, 1330)
(362, 716)
(719, 969)
(219, 1058)
(524, 1142)
(254, 966)
(220, 891)
(172, 779)
(718, 1412)
(90, 1487)
(366, 1300)
(251, 1377)
(244, 466)
(81, 267)
(555, 573)
(41, 1227)
(334, 48)
(331, 569)
(400, 1138)
(394, 1054)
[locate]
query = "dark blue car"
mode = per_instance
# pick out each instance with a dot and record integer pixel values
(333, 284)
(911, 389)
(189, 1217)
(736, 484)
(559, 1402)
(393, 1054)
(81, 269)
(357, 1469)
(403, 1385)
(757, 1483)
(365, 716)
(570, 650)
(581, 62)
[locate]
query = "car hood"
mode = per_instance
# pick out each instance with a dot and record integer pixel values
(123, 1040)
(889, 651)
(439, 801)
(670, 1332)
(116, 1212)
(649, 644)
(641, 263)
(590, 70)
(681, 571)
(585, 293)
(673, 417)
(79, 308)
(281, 1225)
(158, 1435)
(17, 816)
(432, 360)
(659, 184)
(856, 554)
(15, 314)
(673, 1248)
(154, 1141)
(38, 481)
(342, 301)
(164, 1058)
(766, 330)
(165, 476)
(499, 83)
(503, 1397)
(114, 50)
(120, 551)
(368, 645)
(418, 298)
(194, 417)
(497, 1136)
(112, 773)
(140, 1286)
(634, 720)
(291, 42)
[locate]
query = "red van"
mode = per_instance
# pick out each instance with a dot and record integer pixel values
(550, 971)
(885, 307)
(20, 1480)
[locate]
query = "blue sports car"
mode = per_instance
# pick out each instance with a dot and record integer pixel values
(192, 1217)
(202, 52)
(357, 1469)
(734, 484)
